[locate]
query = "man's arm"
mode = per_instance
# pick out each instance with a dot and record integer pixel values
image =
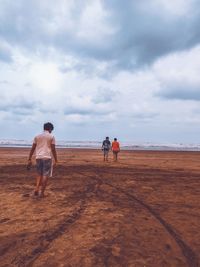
(32, 151)
(110, 146)
(29, 164)
(102, 147)
(53, 149)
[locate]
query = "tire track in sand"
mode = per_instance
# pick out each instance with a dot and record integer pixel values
(50, 235)
(188, 253)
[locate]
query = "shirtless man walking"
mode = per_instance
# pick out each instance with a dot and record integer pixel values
(44, 144)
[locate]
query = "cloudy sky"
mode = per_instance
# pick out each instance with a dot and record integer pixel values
(127, 69)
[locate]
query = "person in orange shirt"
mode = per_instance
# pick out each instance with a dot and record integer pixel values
(115, 149)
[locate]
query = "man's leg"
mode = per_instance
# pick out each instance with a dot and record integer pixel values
(38, 177)
(44, 184)
(38, 184)
(47, 169)
(106, 155)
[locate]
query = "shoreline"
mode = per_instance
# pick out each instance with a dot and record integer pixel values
(153, 149)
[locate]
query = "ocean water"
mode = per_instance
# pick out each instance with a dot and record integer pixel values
(97, 145)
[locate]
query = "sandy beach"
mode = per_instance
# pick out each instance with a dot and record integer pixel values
(142, 211)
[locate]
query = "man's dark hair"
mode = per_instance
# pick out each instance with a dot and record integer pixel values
(115, 139)
(48, 126)
(107, 137)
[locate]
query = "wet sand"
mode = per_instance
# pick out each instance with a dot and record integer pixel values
(142, 211)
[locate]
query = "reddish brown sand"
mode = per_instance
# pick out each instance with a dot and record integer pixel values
(142, 211)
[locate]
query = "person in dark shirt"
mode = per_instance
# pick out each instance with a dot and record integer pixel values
(106, 145)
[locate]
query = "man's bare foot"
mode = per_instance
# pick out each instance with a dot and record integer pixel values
(35, 193)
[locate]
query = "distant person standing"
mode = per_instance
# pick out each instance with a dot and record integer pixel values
(115, 149)
(44, 144)
(106, 145)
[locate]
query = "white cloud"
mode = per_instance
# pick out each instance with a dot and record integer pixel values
(94, 24)
(58, 17)
(5, 51)
(175, 8)
(45, 76)
(178, 75)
